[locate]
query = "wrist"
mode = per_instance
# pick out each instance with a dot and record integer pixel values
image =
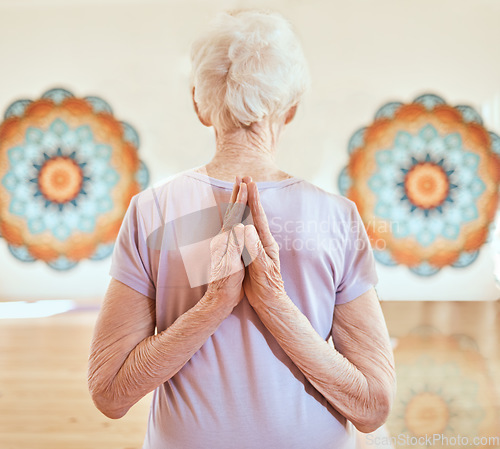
(272, 301)
(215, 302)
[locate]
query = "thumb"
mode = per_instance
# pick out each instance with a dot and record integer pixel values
(253, 245)
(237, 239)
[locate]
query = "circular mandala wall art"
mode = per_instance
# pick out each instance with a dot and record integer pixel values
(444, 388)
(424, 177)
(68, 169)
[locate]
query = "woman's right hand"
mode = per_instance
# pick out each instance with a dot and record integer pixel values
(227, 269)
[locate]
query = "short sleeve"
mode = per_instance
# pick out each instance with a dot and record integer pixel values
(130, 259)
(359, 273)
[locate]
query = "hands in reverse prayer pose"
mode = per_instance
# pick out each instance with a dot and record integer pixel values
(261, 281)
(356, 375)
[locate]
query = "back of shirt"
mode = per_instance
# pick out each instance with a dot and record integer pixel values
(241, 389)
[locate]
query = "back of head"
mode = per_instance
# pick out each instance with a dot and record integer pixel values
(248, 66)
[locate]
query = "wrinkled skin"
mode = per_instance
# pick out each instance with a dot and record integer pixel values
(356, 375)
(263, 277)
(227, 269)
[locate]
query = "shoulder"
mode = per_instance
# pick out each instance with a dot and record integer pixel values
(154, 195)
(172, 197)
(331, 203)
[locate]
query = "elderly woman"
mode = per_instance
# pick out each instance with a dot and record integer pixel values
(223, 292)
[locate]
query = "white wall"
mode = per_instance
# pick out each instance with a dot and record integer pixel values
(134, 54)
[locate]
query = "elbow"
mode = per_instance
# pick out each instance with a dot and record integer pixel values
(113, 413)
(370, 418)
(107, 407)
(371, 421)
(106, 402)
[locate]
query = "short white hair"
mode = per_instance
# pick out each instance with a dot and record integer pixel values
(248, 66)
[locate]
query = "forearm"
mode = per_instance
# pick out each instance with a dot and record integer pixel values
(117, 381)
(362, 395)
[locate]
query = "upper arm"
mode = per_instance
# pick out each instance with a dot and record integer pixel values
(357, 267)
(131, 261)
(127, 317)
(360, 333)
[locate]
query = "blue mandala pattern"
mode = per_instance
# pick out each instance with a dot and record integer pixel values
(457, 205)
(427, 185)
(62, 181)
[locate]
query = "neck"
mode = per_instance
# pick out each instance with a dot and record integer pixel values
(247, 152)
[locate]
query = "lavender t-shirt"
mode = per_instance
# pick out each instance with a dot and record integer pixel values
(241, 390)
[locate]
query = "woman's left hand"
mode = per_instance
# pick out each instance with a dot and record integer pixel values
(263, 283)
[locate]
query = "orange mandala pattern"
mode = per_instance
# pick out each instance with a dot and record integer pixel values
(68, 169)
(445, 393)
(424, 177)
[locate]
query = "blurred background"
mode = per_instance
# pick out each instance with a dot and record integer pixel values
(106, 83)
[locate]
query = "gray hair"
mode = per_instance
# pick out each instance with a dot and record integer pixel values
(248, 66)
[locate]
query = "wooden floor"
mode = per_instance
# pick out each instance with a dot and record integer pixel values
(44, 401)
(448, 372)
(447, 355)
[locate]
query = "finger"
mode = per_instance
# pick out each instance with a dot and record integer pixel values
(233, 198)
(235, 213)
(253, 244)
(259, 216)
(236, 241)
(226, 249)
(246, 180)
(242, 194)
(234, 195)
(236, 188)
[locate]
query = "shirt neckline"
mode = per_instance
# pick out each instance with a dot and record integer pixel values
(229, 185)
